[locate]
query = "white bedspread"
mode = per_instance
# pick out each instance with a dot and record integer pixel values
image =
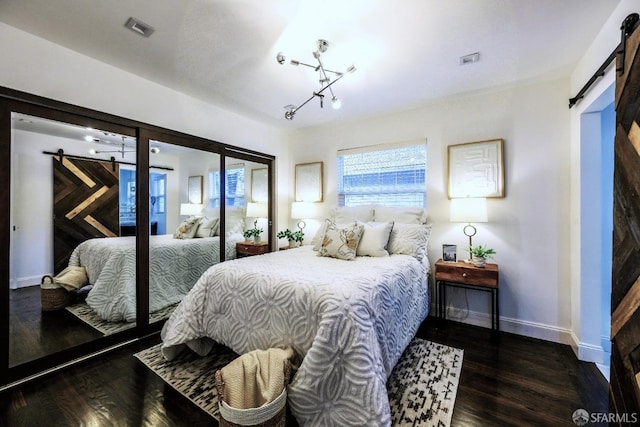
(350, 320)
(174, 267)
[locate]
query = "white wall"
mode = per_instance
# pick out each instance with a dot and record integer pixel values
(529, 228)
(37, 66)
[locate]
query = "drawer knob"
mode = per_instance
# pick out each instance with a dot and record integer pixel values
(464, 274)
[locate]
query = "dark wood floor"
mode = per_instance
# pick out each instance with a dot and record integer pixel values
(35, 333)
(516, 381)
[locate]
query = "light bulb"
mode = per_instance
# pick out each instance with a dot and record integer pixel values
(93, 151)
(336, 103)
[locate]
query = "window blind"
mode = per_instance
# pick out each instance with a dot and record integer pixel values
(391, 175)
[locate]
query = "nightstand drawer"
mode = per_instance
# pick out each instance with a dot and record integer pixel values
(465, 273)
(248, 248)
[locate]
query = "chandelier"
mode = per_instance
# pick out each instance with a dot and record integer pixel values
(325, 79)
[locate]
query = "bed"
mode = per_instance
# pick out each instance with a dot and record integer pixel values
(174, 267)
(349, 321)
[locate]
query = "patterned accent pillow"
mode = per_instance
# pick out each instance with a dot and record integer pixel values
(375, 238)
(208, 227)
(341, 242)
(410, 239)
(317, 239)
(187, 229)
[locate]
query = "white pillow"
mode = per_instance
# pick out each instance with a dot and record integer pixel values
(402, 215)
(187, 229)
(208, 227)
(374, 239)
(409, 239)
(341, 242)
(346, 214)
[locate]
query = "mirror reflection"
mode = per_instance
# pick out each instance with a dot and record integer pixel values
(72, 197)
(246, 206)
(187, 241)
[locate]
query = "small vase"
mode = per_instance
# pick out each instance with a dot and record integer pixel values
(256, 239)
(293, 244)
(479, 261)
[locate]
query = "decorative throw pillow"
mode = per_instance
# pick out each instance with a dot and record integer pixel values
(317, 239)
(409, 239)
(207, 227)
(187, 229)
(341, 242)
(375, 238)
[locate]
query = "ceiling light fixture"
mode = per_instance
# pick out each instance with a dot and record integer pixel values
(121, 150)
(325, 80)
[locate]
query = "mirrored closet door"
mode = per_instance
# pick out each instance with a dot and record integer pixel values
(72, 197)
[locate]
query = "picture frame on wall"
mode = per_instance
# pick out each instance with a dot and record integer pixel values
(449, 253)
(308, 182)
(476, 169)
(195, 189)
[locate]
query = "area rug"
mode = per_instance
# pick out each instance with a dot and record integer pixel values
(85, 313)
(422, 387)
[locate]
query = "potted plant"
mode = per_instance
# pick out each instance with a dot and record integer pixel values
(480, 254)
(253, 232)
(292, 236)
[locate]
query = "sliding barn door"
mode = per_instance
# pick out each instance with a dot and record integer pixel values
(625, 290)
(85, 204)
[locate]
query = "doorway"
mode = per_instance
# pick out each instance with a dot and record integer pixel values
(597, 124)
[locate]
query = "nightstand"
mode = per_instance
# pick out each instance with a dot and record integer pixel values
(244, 249)
(465, 275)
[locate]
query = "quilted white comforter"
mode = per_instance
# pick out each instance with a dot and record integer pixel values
(174, 267)
(349, 320)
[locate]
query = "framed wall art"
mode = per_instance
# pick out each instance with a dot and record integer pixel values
(259, 185)
(195, 189)
(476, 169)
(308, 182)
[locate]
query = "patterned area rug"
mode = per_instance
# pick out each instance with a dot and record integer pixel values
(85, 313)
(422, 387)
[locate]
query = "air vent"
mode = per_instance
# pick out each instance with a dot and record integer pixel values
(469, 59)
(139, 27)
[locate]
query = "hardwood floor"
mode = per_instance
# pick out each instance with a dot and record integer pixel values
(517, 381)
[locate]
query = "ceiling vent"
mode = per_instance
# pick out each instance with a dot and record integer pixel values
(469, 59)
(139, 27)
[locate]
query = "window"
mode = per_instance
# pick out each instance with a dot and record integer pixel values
(391, 176)
(234, 187)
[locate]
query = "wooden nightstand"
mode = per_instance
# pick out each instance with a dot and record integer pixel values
(244, 249)
(465, 275)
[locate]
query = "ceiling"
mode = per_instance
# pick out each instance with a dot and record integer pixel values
(407, 53)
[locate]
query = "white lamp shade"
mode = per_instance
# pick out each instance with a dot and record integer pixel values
(469, 209)
(303, 210)
(256, 210)
(190, 209)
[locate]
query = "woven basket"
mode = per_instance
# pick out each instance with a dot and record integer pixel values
(272, 414)
(53, 296)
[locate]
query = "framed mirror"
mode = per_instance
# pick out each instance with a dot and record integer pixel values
(308, 182)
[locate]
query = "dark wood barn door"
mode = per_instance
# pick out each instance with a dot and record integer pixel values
(85, 204)
(625, 290)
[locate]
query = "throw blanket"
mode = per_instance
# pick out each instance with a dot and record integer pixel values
(350, 321)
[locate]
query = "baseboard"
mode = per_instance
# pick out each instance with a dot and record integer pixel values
(514, 326)
(24, 282)
(589, 352)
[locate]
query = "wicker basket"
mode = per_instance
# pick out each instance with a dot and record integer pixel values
(53, 296)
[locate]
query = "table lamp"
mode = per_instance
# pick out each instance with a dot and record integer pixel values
(469, 209)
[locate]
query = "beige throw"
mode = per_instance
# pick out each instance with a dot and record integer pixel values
(255, 378)
(72, 278)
